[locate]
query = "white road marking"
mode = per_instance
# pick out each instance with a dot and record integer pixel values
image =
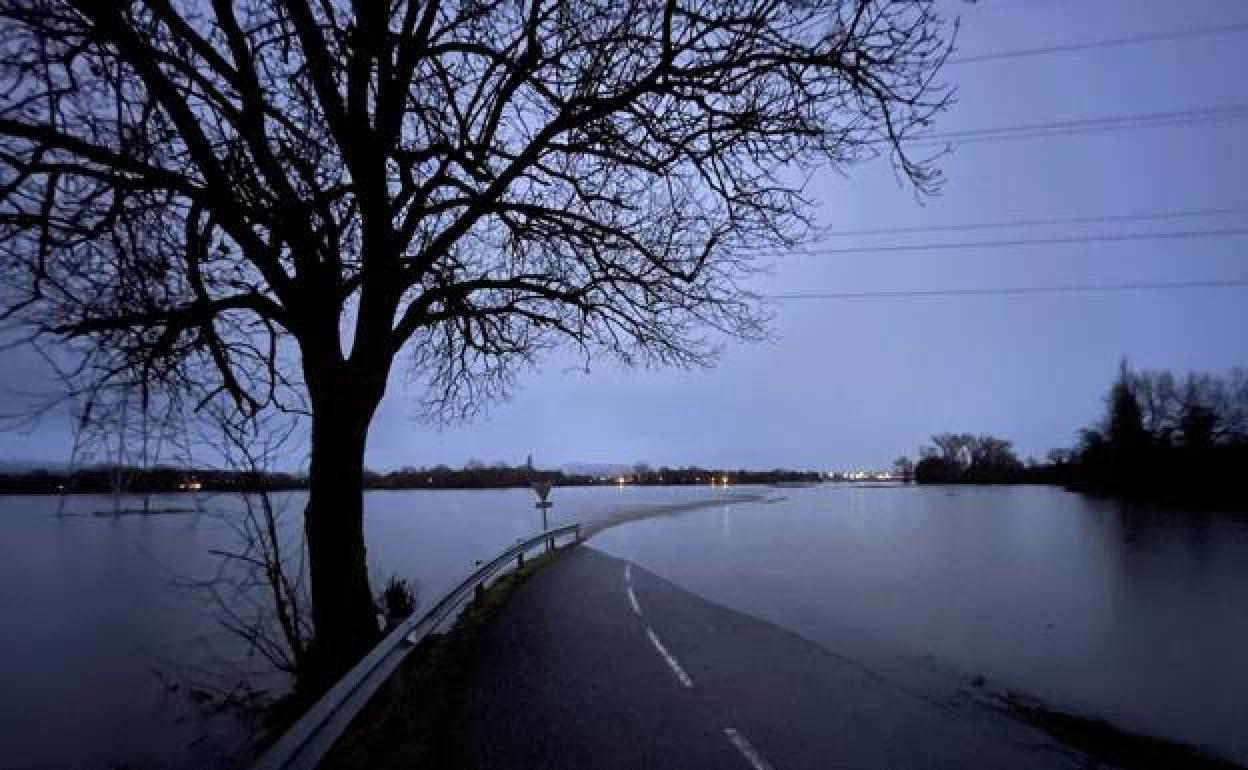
(749, 752)
(628, 572)
(632, 599)
(681, 676)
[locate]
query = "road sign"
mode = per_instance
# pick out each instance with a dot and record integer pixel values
(542, 490)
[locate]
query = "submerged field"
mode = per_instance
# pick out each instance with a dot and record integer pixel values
(1127, 615)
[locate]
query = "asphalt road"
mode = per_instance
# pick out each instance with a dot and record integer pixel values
(595, 663)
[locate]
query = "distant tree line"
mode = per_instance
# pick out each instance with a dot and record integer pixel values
(1162, 436)
(1166, 436)
(475, 474)
(644, 474)
(114, 479)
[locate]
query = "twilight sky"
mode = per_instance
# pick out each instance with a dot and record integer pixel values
(856, 382)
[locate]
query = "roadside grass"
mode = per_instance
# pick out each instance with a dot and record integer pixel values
(418, 718)
(1108, 745)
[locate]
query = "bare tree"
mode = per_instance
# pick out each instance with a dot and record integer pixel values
(259, 591)
(1167, 402)
(990, 451)
(272, 199)
(954, 449)
(123, 430)
(1059, 456)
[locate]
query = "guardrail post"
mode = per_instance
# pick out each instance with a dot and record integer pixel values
(478, 594)
(520, 561)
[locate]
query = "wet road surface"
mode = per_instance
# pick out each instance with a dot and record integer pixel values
(596, 663)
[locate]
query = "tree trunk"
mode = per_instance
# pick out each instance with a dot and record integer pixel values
(343, 611)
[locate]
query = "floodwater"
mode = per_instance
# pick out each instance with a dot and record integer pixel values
(1130, 613)
(1137, 615)
(101, 616)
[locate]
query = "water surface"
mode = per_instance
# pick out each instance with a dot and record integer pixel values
(101, 614)
(1133, 614)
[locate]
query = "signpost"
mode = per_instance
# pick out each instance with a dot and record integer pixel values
(542, 490)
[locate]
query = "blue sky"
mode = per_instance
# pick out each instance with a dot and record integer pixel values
(857, 382)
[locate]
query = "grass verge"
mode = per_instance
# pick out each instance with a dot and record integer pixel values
(1106, 744)
(417, 718)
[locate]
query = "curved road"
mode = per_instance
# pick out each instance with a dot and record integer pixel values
(596, 663)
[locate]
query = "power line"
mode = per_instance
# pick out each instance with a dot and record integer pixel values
(1108, 43)
(1039, 222)
(1019, 242)
(982, 8)
(1090, 130)
(1007, 290)
(1113, 122)
(1110, 120)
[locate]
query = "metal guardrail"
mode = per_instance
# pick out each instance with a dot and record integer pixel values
(308, 740)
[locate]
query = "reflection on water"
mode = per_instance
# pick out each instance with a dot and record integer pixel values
(1133, 613)
(95, 610)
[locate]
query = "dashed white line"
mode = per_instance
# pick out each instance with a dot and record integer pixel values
(749, 752)
(681, 676)
(632, 599)
(738, 740)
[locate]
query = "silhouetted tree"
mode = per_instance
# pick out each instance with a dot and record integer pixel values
(1059, 456)
(954, 449)
(1197, 426)
(1165, 401)
(993, 461)
(260, 589)
(961, 457)
(1124, 425)
(1166, 436)
(271, 199)
(991, 451)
